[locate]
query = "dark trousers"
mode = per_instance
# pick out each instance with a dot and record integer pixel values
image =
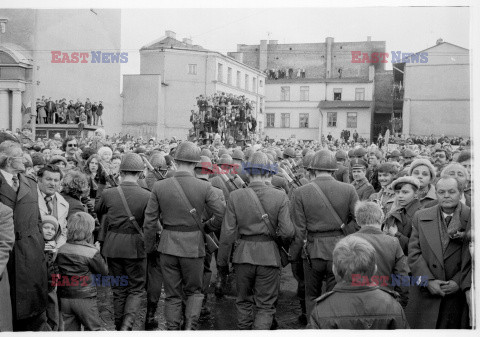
(182, 278)
(321, 270)
(154, 278)
(257, 288)
(34, 323)
(53, 311)
(127, 299)
(299, 275)
(80, 311)
(207, 272)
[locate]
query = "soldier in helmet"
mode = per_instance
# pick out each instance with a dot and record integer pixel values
(124, 245)
(256, 258)
(180, 201)
(202, 171)
(317, 228)
(342, 173)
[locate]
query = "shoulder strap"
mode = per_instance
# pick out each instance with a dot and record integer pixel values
(129, 213)
(187, 203)
(327, 203)
(264, 214)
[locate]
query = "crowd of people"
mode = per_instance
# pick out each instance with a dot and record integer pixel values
(275, 74)
(61, 112)
(157, 213)
(225, 114)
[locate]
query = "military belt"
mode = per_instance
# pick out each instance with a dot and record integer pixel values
(181, 228)
(256, 237)
(337, 232)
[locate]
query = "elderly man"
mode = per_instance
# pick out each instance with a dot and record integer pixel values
(27, 269)
(435, 250)
(352, 306)
(459, 172)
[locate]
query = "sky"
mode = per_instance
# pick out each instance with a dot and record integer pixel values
(408, 29)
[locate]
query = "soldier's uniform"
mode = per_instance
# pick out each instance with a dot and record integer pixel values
(256, 258)
(363, 188)
(182, 244)
(124, 246)
(315, 224)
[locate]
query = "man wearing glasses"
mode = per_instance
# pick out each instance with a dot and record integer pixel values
(27, 270)
(70, 146)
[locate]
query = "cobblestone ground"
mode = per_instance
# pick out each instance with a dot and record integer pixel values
(223, 313)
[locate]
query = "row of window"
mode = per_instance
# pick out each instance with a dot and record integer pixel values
(351, 119)
(305, 93)
(303, 122)
(239, 79)
(285, 120)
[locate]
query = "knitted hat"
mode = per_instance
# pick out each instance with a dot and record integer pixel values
(50, 219)
(56, 159)
(464, 156)
(426, 162)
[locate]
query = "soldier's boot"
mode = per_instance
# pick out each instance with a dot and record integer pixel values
(127, 322)
(205, 311)
(151, 322)
(192, 311)
(302, 319)
(174, 315)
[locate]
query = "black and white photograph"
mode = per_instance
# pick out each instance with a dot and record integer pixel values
(243, 165)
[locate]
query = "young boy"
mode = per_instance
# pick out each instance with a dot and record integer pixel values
(77, 260)
(51, 230)
(362, 186)
(386, 196)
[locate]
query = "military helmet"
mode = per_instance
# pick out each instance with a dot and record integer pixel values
(323, 160)
(249, 152)
(158, 161)
(225, 159)
(238, 155)
(307, 160)
(289, 153)
(279, 153)
(258, 164)
(205, 164)
(394, 154)
(222, 151)
(132, 162)
(187, 152)
(408, 154)
(341, 155)
(360, 152)
(207, 153)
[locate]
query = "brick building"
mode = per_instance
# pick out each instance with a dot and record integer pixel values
(313, 89)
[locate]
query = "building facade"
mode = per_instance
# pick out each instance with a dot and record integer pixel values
(27, 72)
(314, 89)
(172, 75)
(434, 96)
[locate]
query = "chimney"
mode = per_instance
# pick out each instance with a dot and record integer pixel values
(273, 42)
(170, 33)
(187, 41)
(262, 55)
(371, 72)
(440, 40)
(369, 38)
(329, 43)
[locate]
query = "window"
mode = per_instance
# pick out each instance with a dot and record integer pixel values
(192, 69)
(304, 93)
(359, 94)
(270, 120)
(247, 86)
(239, 76)
(261, 84)
(332, 119)
(285, 94)
(352, 120)
(337, 94)
(304, 120)
(220, 73)
(254, 84)
(229, 76)
(285, 120)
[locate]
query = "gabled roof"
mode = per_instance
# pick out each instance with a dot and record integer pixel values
(432, 47)
(168, 42)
